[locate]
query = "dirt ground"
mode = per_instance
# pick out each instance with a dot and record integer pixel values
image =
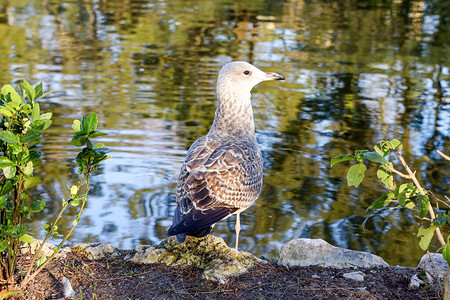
(115, 278)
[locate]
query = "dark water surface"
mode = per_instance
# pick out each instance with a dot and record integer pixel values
(357, 72)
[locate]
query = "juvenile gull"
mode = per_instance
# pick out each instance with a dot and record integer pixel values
(222, 172)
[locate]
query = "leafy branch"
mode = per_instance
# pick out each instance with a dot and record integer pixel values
(88, 161)
(21, 127)
(410, 195)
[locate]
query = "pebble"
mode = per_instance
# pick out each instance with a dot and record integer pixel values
(358, 276)
(415, 283)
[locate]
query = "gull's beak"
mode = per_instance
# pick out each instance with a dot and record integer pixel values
(274, 76)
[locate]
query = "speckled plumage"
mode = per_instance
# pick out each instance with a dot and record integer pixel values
(222, 172)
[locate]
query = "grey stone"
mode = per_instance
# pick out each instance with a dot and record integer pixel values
(307, 252)
(46, 250)
(415, 282)
(358, 276)
(210, 253)
(94, 251)
(434, 265)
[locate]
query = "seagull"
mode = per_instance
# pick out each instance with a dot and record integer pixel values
(222, 173)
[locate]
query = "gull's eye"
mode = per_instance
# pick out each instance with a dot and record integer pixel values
(246, 72)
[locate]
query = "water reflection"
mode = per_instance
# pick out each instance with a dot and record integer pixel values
(358, 71)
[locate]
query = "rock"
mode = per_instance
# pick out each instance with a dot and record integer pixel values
(358, 276)
(415, 283)
(434, 265)
(209, 253)
(306, 252)
(94, 251)
(47, 249)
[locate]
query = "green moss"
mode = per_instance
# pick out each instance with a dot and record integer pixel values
(209, 253)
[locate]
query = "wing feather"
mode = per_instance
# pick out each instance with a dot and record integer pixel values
(216, 180)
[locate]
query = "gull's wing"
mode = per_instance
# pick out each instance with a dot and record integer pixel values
(216, 180)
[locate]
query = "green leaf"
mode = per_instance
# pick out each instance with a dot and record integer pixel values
(8, 187)
(382, 149)
(15, 97)
(6, 89)
(73, 190)
(90, 123)
(27, 238)
(382, 201)
(378, 149)
(13, 106)
(41, 261)
(27, 109)
(75, 202)
(422, 205)
(359, 155)
(5, 162)
(46, 94)
(446, 252)
(36, 111)
(76, 125)
(408, 189)
(375, 157)
(47, 124)
(96, 134)
(99, 146)
(78, 141)
(396, 144)
(9, 172)
(9, 137)
(37, 206)
(6, 112)
(15, 148)
(46, 116)
(345, 157)
(3, 245)
(3, 202)
(441, 219)
(28, 170)
(26, 87)
(47, 227)
(31, 181)
(101, 152)
(402, 199)
(31, 135)
(38, 90)
(355, 174)
(386, 177)
(425, 235)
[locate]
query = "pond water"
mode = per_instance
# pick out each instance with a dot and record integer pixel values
(357, 72)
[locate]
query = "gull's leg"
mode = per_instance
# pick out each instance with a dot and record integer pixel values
(238, 228)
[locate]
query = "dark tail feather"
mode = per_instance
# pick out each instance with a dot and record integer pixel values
(196, 223)
(181, 237)
(177, 217)
(201, 232)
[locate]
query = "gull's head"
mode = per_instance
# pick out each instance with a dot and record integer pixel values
(242, 76)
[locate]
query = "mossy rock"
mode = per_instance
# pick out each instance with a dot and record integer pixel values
(209, 253)
(94, 251)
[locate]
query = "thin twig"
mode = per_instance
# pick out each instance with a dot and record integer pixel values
(29, 276)
(443, 155)
(439, 200)
(422, 192)
(397, 172)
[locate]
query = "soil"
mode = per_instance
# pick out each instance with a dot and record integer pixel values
(115, 278)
